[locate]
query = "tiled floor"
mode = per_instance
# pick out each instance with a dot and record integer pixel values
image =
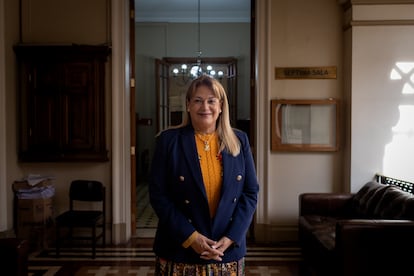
(146, 219)
(137, 258)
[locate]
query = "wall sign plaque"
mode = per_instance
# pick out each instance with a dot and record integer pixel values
(326, 72)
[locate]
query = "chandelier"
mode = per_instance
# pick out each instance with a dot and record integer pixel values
(197, 70)
(194, 70)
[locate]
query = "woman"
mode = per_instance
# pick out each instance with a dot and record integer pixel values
(203, 188)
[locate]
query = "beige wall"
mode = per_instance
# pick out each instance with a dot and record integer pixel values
(365, 47)
(67, 22)
(301, 33)
(382, 111)
(52, 22)
(295, 33)
(77, 21)
(8, 160)
(158, 40)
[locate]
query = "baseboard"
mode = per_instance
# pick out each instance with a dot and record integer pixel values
(7, 234)
(266, 233)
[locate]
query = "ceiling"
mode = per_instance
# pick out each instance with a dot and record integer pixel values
(187, 11)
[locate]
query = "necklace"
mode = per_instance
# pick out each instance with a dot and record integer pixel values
(206, 141)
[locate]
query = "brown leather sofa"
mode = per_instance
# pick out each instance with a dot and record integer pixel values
(14, 257)
(370, 232)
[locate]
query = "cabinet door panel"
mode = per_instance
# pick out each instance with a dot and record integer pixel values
(44, 130)
(79, 106)
(43, 108)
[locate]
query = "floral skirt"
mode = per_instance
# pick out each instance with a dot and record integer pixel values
(168, 268)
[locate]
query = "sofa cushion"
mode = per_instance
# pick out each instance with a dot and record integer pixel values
(322, 227)
(375, 200)
(366, 199)
(393, 203)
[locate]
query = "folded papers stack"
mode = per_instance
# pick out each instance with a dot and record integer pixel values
(34, 187)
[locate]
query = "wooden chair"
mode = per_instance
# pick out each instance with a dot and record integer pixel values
(83, 192)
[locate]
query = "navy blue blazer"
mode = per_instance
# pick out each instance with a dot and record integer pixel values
(179, 199)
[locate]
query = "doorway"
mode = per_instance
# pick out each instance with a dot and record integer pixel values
(169, 38)
(174, 76)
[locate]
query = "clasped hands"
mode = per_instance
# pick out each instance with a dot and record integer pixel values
(209, 249)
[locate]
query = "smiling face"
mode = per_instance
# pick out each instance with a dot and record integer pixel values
(204, 109)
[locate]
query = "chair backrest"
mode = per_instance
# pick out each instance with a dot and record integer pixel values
(87, 190)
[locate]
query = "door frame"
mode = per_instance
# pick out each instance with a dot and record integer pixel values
(163, 67)
(253, 101)
(132, 115)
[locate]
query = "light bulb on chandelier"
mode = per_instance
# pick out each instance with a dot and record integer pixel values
(196, 71)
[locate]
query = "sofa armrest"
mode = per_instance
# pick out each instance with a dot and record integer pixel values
(374, 247)
(324, 204)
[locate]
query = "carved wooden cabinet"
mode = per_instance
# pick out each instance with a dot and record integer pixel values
(61, 102)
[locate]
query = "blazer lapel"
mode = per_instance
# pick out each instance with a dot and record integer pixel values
(228, 166)
(191, 157)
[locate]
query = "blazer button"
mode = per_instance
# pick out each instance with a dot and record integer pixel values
(190, 221)
(181, 178)
(234, 199)
(239, 177)
(186, 201)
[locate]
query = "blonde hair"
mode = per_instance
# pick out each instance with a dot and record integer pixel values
(227, 138)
